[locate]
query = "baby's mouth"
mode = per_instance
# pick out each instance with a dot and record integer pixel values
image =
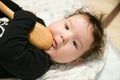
(54, 44)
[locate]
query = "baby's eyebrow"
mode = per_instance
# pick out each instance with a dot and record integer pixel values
(69, 23)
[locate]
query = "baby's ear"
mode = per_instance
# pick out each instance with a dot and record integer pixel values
(76, 62)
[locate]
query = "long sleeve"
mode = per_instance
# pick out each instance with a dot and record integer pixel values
(16, 54)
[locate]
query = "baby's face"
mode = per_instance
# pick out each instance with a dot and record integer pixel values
(72, 37)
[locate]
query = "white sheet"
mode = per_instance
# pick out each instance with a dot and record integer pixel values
(111, 70)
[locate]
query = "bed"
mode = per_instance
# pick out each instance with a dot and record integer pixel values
(106, 68)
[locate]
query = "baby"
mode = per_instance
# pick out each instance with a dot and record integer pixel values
(75, 38)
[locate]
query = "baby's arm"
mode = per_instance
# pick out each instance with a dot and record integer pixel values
(39, 36)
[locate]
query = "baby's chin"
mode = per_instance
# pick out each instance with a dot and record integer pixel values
(50, 51)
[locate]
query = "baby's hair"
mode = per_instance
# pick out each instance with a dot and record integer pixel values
(97, 48)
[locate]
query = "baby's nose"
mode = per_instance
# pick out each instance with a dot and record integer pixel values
(64, 38)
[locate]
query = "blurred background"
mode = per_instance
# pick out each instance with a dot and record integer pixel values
(107, 6)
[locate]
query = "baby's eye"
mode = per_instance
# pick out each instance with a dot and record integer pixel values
(66, 27)
(75, 44)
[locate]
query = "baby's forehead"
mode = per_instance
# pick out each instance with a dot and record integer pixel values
(80, 16)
